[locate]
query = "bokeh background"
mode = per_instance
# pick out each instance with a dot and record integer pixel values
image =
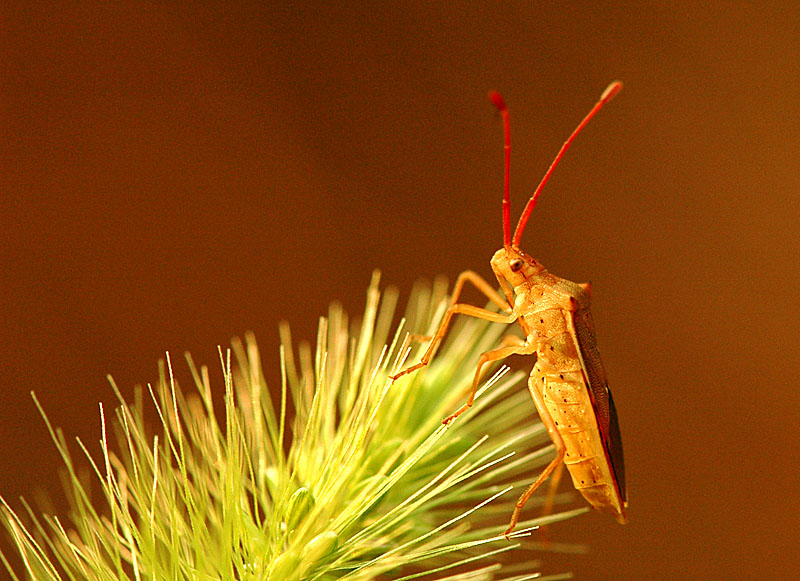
(176, 174)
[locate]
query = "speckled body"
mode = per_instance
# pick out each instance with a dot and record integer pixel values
(568, 376)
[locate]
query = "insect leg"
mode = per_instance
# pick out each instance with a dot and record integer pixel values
(551, 491)
(455, 307)
(511, 345)
(483, 286)
(550, 424)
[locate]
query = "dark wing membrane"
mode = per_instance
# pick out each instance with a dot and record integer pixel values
(614, 447)
(600, 394)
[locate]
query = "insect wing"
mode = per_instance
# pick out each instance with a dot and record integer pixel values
(600, 395)
(614, 446)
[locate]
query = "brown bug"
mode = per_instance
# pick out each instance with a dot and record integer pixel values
(568, 384)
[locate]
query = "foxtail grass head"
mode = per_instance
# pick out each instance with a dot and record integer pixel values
(338, 473)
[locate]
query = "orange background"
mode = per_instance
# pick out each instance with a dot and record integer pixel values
(175, 175)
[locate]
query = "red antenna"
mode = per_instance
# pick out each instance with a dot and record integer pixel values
(607, 95)
(498, 101)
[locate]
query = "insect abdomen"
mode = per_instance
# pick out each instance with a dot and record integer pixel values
(558, 375)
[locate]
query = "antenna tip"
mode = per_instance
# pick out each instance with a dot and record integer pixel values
(498, 101)
(610, 91)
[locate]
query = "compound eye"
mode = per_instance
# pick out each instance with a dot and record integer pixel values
(515, 264)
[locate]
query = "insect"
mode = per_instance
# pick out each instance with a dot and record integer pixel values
(568, 384)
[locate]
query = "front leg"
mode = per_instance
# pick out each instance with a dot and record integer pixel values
(456, 307)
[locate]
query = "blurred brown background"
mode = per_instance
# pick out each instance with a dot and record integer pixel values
(173, 175)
